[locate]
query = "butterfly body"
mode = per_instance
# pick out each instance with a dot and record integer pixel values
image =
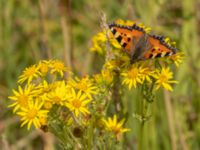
(140, 45)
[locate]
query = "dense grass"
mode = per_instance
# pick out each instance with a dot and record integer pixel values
(34, 30)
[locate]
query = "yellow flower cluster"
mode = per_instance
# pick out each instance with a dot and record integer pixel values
(142, 72)
(177, 58)
(99, 43)
(42, 86)
(115, 127)
(163, 78)
(138, 74)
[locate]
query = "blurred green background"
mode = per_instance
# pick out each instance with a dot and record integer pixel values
(31, 30)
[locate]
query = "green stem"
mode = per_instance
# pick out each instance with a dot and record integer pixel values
(90, 135)
(141, 136)
(117, 97)
(146, 100)
(142, 125)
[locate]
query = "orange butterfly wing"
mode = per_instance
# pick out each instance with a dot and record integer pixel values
(159, 48)
(125, 35)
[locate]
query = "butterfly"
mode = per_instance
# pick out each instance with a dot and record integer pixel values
(140, 45)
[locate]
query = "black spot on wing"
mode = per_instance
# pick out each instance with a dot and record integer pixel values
(151, 55)
(129, 39)
(119, 38)
(124, 45)
(158, 55)
(167, 54)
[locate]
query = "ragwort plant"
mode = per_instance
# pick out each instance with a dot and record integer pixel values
(79, 111)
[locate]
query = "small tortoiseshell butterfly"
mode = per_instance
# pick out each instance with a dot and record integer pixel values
(140, 45)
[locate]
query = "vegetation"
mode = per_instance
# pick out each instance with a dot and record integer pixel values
(67, 78)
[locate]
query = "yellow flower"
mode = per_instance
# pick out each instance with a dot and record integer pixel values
(114, 42)
(163, 79)
(170, 42)
(99, 43)
(44, 88)
(125, 23)
(22, 97)
(29, 73)
(146, 74)
(124, 61)
(42, 91)
(177, 58)
(78, 102)
(100, 40)
(43, 120)
(112, 65)
(106, 77)
(58, 96)
(55, 84)
(121, 61)
(44, 66)
(136, 74)
(32, 114)
(146, 29)
(115, 127)
(58, 67)
(85, 85)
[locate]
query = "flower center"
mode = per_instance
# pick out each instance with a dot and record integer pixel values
(59, 66)
(76, 103)
(23, 100)
(44, 68)
(56, 99)
(47, 105)
(82, 86)
(133, 73)
(115, 129)
(32, 113)
(30, 71)
(163, 78)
